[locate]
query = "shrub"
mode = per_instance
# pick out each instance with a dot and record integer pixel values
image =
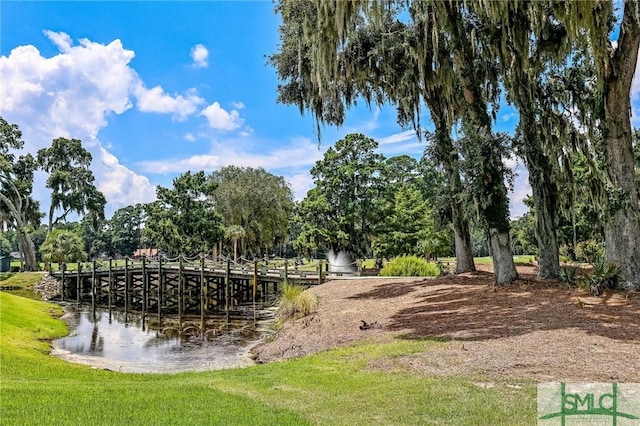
(569, 274)
(410, 266)
(295, 302)
(589, 251)
(605, 276)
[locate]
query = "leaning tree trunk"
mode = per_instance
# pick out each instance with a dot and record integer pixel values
(27, 248)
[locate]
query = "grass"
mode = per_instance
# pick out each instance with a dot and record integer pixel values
(21, 284)
(295, 302)
(337, 387)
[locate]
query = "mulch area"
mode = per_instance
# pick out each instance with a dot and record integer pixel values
(538, 329)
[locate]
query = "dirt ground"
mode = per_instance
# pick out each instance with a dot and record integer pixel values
(535, 329)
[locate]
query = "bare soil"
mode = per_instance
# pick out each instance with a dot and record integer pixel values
(534, 329)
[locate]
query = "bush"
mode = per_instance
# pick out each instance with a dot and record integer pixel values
(605, 276)
(295, 302)
(410, 266)
(589, 251)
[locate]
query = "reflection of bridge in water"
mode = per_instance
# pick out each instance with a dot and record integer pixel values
(185, 289)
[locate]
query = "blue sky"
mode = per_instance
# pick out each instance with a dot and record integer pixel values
(154, 89)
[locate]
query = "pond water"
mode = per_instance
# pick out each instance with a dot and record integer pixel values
(123, 343)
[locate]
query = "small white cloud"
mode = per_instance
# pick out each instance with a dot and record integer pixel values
(237, 105)
(189, 137)
(300, 184)
(302, 152)
(156, 100)
(61, 40)
(508, 116)
(200, 56)
(221, 119)
(404, 136)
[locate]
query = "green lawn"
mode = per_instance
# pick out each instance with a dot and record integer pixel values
(338, 387)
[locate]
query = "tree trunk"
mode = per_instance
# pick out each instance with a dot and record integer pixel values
(544, 201)
(504, 269)
(545, 218)
(27, 248)
(462, 240)
(447, 155)
(622, 228)
(235, 250)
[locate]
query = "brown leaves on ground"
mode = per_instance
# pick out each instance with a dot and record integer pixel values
(544, 330)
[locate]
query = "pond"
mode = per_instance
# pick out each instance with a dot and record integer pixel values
(120, 342)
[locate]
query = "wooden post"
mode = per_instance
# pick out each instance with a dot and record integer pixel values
(110, 288)
(320, 264)
(93, 289)
(78, 284)
(203, 296)
(61, 265)
(255, 288)
(226, 289)
(286, 271)
(160, 289)
(180, 294)
(145, 290)
(126, 287)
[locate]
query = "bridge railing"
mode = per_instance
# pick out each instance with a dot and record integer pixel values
(273, 267)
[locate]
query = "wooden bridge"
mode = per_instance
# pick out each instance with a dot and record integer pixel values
(184, 288)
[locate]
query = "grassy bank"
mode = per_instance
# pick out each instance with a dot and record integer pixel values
(336, 387)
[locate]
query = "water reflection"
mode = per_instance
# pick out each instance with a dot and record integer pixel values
(124, 343)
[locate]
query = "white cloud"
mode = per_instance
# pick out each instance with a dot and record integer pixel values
(521, 190)
(156, 100)
(74, 90)
(237, 105)
(120, 185)
(300, 153)
(221, 119)
(61, 40)
(70, 95)
(200, 56)
(300, 184)
(404, 136)
(189, 137)
(508, 116)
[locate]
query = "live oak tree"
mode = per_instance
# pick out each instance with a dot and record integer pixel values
(256, 200)
(70, 180)
(125, 229)
(184, 219)
(332, 53)
(342, 211)
(18, 209)
(589, 26)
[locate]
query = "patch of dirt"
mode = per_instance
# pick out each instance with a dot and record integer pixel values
(538, 329)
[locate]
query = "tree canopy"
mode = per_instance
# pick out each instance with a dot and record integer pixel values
(554, 59)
